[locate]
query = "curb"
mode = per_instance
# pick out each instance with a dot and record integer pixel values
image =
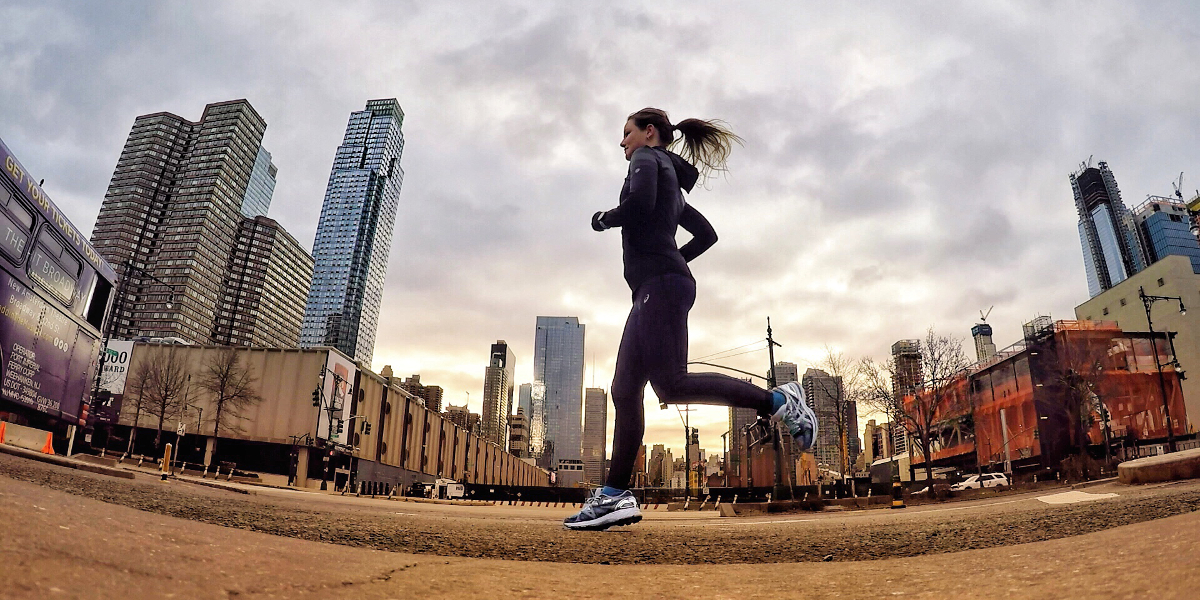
(215, 485)
(61, 461)
(1093, 483)
(1184, 464)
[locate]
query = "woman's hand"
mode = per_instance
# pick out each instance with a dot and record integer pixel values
(598, 221)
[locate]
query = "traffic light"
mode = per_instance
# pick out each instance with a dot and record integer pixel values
(317, 397)
(340, 426)
(695, 436)
(367, 428)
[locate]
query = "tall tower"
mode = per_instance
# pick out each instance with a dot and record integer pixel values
(984, 347)
(906, 354)
(1111, 249)
(354, 233)
(822, 391)
(595, 434)
(175, 209)
(786, 372)
(555, 425)
(498, 393)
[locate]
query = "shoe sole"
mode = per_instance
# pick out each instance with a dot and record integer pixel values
(812, 418)
(625, 516)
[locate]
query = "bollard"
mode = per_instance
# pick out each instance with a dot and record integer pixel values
(166, 462)
(897, 495)
(768, 497)
(734, 499)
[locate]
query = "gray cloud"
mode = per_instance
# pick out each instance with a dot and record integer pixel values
(903, 167)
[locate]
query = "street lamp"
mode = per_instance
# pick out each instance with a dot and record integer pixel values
(1147, 302)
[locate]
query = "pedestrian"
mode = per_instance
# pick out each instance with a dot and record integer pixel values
(654, 343)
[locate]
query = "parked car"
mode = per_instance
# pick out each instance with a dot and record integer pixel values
(986, 480)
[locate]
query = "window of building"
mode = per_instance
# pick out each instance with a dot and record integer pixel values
(1122, 302)
(1161, 282)
(1105, 311)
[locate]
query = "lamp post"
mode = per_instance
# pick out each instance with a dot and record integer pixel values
(1147, 302)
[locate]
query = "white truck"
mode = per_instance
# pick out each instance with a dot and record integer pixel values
(448, 488)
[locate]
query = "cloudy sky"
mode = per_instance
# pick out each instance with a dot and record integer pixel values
(905, 164)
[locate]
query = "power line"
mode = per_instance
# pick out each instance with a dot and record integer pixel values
(730, 350)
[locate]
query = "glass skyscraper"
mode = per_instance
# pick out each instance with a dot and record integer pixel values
(354, 233)
(261, 186)
(556, 413)
(1165, 227)
(1111, 248)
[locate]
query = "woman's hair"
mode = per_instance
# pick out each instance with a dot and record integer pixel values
(705, 144)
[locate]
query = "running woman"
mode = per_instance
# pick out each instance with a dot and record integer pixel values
(654, 344)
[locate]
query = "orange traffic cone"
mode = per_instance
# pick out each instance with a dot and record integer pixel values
(2, 432)
(49, 447)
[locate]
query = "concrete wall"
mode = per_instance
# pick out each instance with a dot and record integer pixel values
(404, 434)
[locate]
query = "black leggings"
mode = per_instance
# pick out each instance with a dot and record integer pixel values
(654, 349)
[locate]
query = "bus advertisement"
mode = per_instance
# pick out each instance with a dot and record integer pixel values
(55, 291)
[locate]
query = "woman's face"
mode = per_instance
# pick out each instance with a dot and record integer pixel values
(635, 138)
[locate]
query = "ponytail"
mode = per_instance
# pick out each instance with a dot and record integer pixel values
(704, 143)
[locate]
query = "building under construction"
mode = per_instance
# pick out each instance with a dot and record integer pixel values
(1018, 410)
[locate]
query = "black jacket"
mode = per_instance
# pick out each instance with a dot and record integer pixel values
(651, 210)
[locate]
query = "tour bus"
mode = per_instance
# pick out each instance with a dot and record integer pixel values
(55, 291)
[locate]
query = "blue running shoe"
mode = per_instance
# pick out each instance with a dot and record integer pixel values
(800, 420)
(601, 512)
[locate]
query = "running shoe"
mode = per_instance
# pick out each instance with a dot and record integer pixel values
(800, 420)
(601, 512)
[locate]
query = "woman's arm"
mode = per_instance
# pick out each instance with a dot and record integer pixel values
(643, 188)
(703, 234)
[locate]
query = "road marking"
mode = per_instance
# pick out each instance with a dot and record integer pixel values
(1073, 497)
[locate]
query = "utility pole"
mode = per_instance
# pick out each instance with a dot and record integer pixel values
(775, 437)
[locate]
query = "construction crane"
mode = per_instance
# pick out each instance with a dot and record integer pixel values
(983, 316)
(1178, 185)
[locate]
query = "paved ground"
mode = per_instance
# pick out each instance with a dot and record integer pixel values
(664, 538)
(61, 545)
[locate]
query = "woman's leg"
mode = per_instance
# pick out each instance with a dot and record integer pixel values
(628, 389)
(665, 308)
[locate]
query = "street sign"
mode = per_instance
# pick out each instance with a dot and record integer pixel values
(181, 428)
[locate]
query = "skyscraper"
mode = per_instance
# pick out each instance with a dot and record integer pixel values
(786, 372)
(1164, 227)
(595, 434)
(432, 394)
(175, 209)
(906, 356)
(498, 393)
(525, 399)
(557, 393)
(266, 284)
(354, 233)
(826, 396)
(261, 187)
(1111, 250)
(739, 420)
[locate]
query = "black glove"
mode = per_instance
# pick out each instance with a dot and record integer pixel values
(598, 221)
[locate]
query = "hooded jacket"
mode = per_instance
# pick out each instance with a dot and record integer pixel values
(650, 212)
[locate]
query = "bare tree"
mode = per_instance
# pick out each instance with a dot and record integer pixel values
(923, 410)
(135, 397)
(1076, 366)
(165, 384)
(842, 389)
(233, 386)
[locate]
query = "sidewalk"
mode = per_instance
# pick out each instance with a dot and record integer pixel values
(66, 546)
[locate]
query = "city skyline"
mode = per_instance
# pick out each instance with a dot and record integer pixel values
(886, 184)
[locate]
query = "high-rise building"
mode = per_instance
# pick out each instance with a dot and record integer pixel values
(261, 187)
(556, 420)
(354, 233)
(826, 396)
(739, 420)
(498, 392)
(432, 394)
(525, 398)
(461, 416)
(175, 210)
(266, 284)
(786, 372)
(1111, 249)
(1164, 227)
(984, 347)
(906, 356)
(518, 434)
(595, 434)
